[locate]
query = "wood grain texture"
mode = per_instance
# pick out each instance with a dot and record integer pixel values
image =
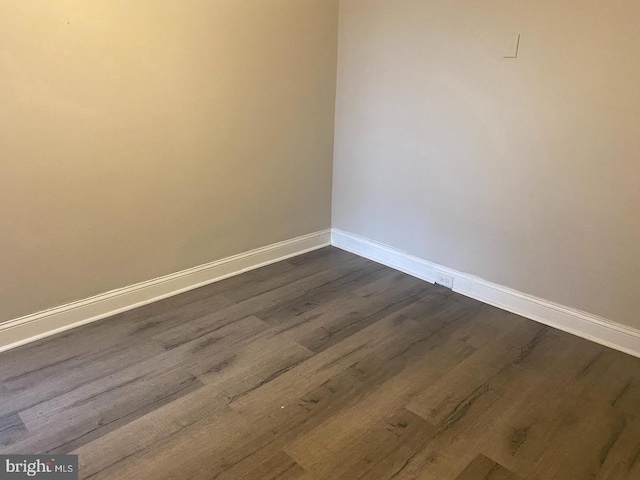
(324, 366)
(483, 468)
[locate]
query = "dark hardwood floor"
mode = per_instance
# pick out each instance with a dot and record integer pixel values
(325, 366)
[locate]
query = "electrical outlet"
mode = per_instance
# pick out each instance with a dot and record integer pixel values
(444, 279)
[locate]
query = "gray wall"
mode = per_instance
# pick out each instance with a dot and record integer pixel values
(523, 172)
(141, 138)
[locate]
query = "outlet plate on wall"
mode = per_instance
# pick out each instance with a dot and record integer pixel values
(444, 279)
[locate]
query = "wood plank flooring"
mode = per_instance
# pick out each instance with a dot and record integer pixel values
(325, 366)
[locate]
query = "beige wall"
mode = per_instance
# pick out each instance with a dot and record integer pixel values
(523, 172)
(140, 138)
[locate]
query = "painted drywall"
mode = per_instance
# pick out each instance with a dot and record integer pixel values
(524, 172)
(142, 138)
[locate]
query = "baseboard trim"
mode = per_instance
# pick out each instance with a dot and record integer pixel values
(576, 322)
(30, 328)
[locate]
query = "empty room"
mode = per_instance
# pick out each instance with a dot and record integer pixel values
(320, 239)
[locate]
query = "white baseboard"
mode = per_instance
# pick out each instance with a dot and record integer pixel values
(582, 324)
(49, 322)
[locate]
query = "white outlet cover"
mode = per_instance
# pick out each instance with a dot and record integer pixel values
(444, 279)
